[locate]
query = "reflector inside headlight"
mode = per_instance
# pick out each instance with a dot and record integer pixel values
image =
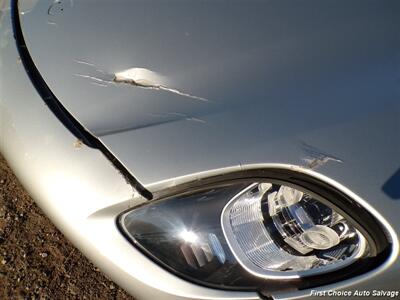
(245, 235)
(279, 231)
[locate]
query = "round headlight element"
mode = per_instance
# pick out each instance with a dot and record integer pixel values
(277, 231)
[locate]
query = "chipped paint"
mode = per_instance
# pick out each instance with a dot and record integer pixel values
(78, 144)
(315, 157)
(146, 78)
(138, 77)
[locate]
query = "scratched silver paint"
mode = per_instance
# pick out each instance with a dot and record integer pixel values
(309, 83)
(76, 186)
(278, 73)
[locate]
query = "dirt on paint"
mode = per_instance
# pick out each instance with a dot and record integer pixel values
(36, 261)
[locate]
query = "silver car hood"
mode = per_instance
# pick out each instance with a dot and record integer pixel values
(217, 84)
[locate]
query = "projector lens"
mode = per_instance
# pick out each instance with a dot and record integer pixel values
(280, 231)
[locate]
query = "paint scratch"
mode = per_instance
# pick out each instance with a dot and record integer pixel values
(148, 79)
(315, 157)
(138, 77)
(96, 79)
(83, 62)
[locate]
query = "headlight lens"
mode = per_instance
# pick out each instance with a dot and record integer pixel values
(245, 235)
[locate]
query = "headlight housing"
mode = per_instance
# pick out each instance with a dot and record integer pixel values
(252, 232)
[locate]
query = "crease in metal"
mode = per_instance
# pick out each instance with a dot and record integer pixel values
(63, 115)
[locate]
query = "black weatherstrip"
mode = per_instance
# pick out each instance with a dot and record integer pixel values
(65, 117)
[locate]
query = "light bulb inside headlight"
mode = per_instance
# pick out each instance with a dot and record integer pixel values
(247, 234)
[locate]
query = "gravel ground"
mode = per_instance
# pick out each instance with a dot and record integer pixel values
(36, 261)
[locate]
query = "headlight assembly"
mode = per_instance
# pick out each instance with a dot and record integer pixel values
(282, 230)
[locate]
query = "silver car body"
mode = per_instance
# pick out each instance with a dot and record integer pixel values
(229, 86)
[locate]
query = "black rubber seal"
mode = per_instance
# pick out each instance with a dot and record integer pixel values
(63, 115)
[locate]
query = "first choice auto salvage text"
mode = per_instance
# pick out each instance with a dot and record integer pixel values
(356, 293)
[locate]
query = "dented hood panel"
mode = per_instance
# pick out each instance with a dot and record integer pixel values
(178, 87)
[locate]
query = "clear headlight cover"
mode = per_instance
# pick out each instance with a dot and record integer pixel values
(247, 235)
